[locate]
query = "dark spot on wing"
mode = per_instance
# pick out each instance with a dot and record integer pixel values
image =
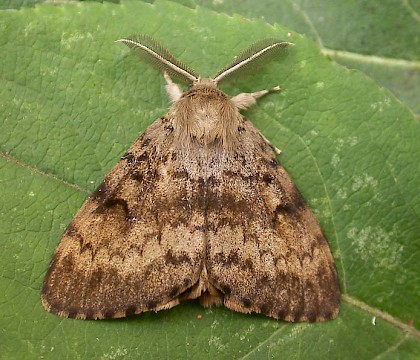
(185, 294)
(273, 163)
(232, 258)
(89, 248)
(297, 311)
(248, 265)
(72, 230)
(66, 265)
(266, 308)
(146, 142)
(267, 178)
(116, 205)
(246, 302)
(176, 258)
(233, 174)
(131, 310)
(137, 176)
(181, 174)
(297, 199)
(129, 157)
(89, 313)
(72, 312)
(263, 281)
(226, 289)
(287, 208)
(231, 209)
(174, 291)
(143, 157)
(311, 316)
(281, 313)
(109, 314)
(168, 127)
(101, 192)
(95, 279)
(151, 304)
(114, 202)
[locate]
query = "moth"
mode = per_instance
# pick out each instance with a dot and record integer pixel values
(198, 207)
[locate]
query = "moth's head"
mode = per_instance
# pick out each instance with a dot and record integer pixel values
(204, 89)
(203, 82)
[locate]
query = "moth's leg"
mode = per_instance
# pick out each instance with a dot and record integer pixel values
(173, 90)
(245, 100)
(275, 149)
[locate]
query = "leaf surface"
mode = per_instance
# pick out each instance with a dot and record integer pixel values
(72, 101)
(380, 38)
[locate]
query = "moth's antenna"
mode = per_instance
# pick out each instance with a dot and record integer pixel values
(154, 53)
(253, 56)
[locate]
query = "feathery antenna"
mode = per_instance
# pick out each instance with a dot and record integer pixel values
(154, 53)
(257, 53)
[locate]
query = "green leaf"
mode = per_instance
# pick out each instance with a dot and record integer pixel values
(381, 38)
(17, 4)
(72, 101)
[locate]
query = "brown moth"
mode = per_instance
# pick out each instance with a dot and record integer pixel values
(198, 207)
